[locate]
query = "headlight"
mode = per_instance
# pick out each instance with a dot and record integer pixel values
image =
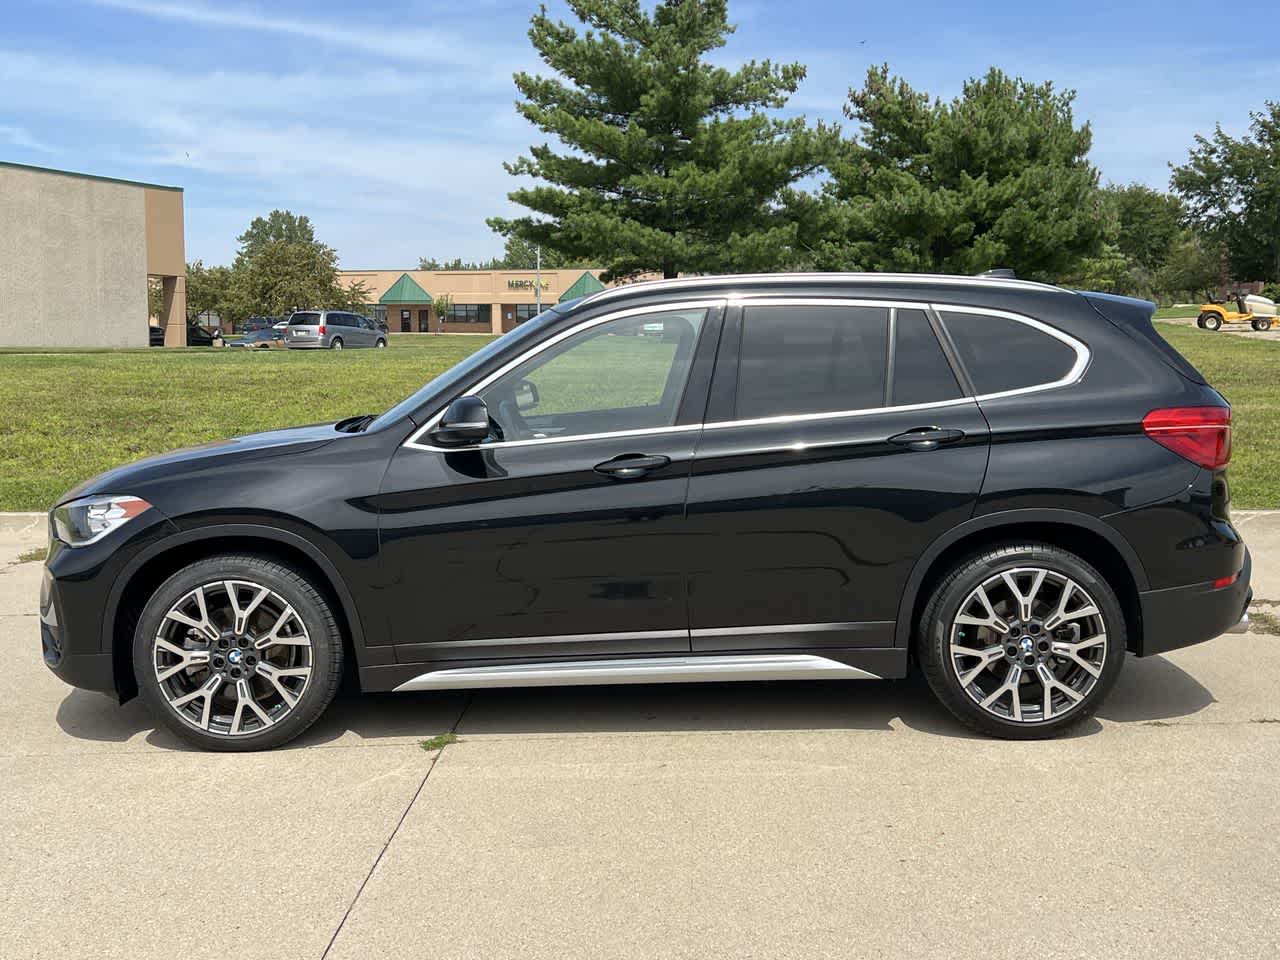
(92, 518)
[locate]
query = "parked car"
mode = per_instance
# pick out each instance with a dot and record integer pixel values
(1003, 483)
(197, 336)
(261, 339)
(260, 323)
(332, 329)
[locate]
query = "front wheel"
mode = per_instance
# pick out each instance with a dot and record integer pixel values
(237, 653)
(381, 344)
(1022, 641)
(1262, 323)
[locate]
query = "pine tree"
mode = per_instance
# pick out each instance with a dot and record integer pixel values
(998, 177)
(672, 164)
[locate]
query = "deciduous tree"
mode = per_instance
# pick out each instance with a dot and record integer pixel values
(207, 289)
(280, 265)
(1232, 190)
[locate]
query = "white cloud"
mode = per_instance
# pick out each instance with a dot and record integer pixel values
(19, 137)
(406, 43)
(382, 185)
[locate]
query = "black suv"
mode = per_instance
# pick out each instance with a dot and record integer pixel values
(724, 478)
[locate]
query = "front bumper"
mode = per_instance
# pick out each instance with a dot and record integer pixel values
(1182, 616)
(90, 669)
(76, 641)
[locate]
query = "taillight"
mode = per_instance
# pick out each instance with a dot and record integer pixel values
(1200, 434)
(322, 329)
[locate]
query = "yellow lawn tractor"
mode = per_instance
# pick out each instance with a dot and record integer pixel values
(1258, 312)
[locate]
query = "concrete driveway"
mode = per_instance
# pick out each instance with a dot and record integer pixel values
(738, 820)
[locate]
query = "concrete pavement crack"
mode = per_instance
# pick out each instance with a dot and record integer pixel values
(399, 823)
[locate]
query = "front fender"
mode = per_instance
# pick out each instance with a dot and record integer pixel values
(246, 532)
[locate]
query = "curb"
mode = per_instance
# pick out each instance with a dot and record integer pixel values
(22, 522)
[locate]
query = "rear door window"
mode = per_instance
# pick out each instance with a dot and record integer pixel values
(304, 319)
(1003, 354)
(921, 373)
(812, 358)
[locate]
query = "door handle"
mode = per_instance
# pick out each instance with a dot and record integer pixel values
(631, 466)
(927, 438)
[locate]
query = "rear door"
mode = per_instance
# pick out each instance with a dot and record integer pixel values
(839, 443)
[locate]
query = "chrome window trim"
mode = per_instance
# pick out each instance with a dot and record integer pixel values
(1078, 368)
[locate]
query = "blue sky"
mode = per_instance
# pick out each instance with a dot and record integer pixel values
(387, 123)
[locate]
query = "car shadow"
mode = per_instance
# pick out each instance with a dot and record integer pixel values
(1148, 690)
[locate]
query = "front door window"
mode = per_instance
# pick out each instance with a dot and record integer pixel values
(625, 374)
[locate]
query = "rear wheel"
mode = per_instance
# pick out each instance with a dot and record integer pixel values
(335, 343)
(237, 653)
(1211, 321)
(1022, 641)
(380, 344)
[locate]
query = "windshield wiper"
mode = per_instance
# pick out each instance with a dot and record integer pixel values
(355, 424)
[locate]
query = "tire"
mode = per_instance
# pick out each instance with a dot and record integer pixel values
(335, 343)
(173, 657)
(1212, 321)
(1075, 692)
(381, 344)
(1260, 324)
(1200, 321)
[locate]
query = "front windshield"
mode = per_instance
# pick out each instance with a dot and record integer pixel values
(460, 370)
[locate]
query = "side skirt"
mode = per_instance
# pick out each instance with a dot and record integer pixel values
(848, 664)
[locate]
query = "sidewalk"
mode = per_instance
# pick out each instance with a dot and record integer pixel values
(788, 820)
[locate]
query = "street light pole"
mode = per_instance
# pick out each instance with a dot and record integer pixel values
(537, 281)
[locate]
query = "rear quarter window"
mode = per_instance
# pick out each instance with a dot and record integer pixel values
(1002, 354)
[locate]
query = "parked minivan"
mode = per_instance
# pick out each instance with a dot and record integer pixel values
(1005, 485)
(332, 329)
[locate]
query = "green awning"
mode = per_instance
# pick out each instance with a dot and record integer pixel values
(405, 290)
(585, 284)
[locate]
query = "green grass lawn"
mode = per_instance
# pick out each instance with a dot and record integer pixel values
(1246, 370)
(70, 415)
(1177, 313)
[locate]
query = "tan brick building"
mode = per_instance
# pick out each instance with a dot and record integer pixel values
(484, 301)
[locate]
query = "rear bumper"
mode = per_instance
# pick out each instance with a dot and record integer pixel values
(1182, 616)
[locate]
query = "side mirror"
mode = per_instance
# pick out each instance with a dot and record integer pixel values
(526, 394)
(465, 421)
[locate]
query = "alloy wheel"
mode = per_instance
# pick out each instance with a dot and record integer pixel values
(232, 657)
(1028, 645)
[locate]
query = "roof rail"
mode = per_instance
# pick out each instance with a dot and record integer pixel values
(998, 273)
(752, 279)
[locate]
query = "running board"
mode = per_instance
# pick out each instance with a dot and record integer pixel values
(639, 670)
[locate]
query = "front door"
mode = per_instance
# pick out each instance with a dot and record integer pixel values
(424, 322)
(827, 466)
(563, 534)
